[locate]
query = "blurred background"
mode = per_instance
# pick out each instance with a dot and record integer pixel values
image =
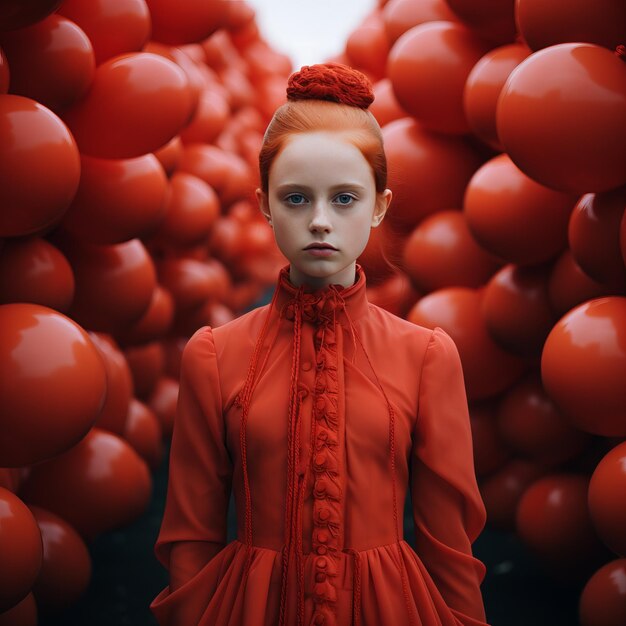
(129, 138)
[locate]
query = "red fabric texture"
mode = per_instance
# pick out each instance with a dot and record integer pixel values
(331, 81)
(342, 408)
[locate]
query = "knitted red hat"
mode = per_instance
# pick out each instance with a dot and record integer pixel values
(331, 81)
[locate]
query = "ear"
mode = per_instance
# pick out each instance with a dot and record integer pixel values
(264, 207)
(383, 200)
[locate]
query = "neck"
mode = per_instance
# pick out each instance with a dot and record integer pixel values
(345, 278)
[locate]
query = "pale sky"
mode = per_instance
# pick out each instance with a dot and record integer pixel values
(309, 31)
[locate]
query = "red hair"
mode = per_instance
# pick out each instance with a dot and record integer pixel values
(327, 97)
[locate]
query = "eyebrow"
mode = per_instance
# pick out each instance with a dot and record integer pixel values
(287, 186)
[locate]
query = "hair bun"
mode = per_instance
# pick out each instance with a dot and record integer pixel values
(331, 81)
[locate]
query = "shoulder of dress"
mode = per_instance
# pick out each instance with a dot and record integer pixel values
(242, 330)
(400, 326)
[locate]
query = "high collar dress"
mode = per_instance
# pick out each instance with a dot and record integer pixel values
(320, 411)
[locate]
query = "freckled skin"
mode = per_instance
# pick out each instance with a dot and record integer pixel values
(322, 189)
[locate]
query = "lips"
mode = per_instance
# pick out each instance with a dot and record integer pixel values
(320, 246)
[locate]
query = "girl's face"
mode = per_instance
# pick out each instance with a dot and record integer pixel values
(322, 190)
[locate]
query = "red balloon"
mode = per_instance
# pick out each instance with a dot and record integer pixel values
(428, 67)
(502, 490)
(33, 270)
(192, 208)
(24, 613)
(119, 384)
(515, 217)
(137, 103)
(114, 284)
(494, 20)
(517, 309)
(367, 48)
(583, 366)
(51, 61)
(170, 154)
(594, 236)
(607, 504)
(385, 107)
(209, 119)
(487, 368)
(530, 423)
(154, 323)
(173, 348)
(147, 364)
(483, 86)
(490, 453)
(10, 478)
(190, 282)
(163, 402)
(39, 167)
(113, 27)
(21, 548)
(552, 519)
(622, 237)
(544, 24)
(20, 13)
(4, 73)
(570, 286)
(401, 15)
(52, 383)
(603, 599)
(187, 21)
(117, 200)
(66, 569)
(395, 294)
(427, 172)
(441, 252)
(555, 136)
(99, 485)
(143, 432)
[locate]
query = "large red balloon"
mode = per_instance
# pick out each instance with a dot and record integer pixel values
(583, 366)
(427, 172)
(21, 549)
(137, 103)
(113, 27)
(99, 485)
(114, 284)
(515, 217)
(487, 368)
(24, 613)
(552, 519)
(428, 67)
(492, 19)
(52, 383)
(33, 270)
(401, 15)
(607, 504)
(554, 134)
(20, 13)
(66, 568)
(117, 200)
(441, 252)
(367, 48)
(187, 21)
(517, 309)
(39, 167)
(529, 422)
(483, 87)
(603, 599)
(51, 62)
(544, 24)
(593, 236)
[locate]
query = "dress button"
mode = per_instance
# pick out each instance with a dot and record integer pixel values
(321, 549)
(321, 562)
(324, 514)
(323, 435)
(322, 536)
(320, 459)
(320, 404)
(320, 577)
(306, 366)
(320, 485)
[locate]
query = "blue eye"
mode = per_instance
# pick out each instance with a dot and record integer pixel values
(296, 198)
(345, 198)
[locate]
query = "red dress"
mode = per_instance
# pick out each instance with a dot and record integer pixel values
(321, 410)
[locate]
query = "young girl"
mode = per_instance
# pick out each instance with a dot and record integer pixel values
(321, 410)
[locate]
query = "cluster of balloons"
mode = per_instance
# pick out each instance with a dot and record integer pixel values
(129, 138)
(505, 131)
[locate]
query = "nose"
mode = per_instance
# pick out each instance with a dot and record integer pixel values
(320, 217)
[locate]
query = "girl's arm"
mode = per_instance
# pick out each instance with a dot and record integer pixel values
(193, 529)
(448, 510)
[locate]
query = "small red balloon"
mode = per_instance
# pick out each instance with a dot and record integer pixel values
(147, 364)
(385, 107)
(490, 452)
(401, 15)
(4, 73)
(494, 20)
(367, 48)
(143, 432)
(154, 323)
(20, 13)
(163, 402)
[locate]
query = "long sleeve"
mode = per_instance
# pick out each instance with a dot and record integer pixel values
(448, 510)
(193, 529)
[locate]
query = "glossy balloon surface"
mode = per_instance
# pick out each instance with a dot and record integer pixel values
(143, 432)
(20, 13)
(24, 613)
(154, 323)
(147, 364)
(52, 383)
(401, 15)
(603, 599)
